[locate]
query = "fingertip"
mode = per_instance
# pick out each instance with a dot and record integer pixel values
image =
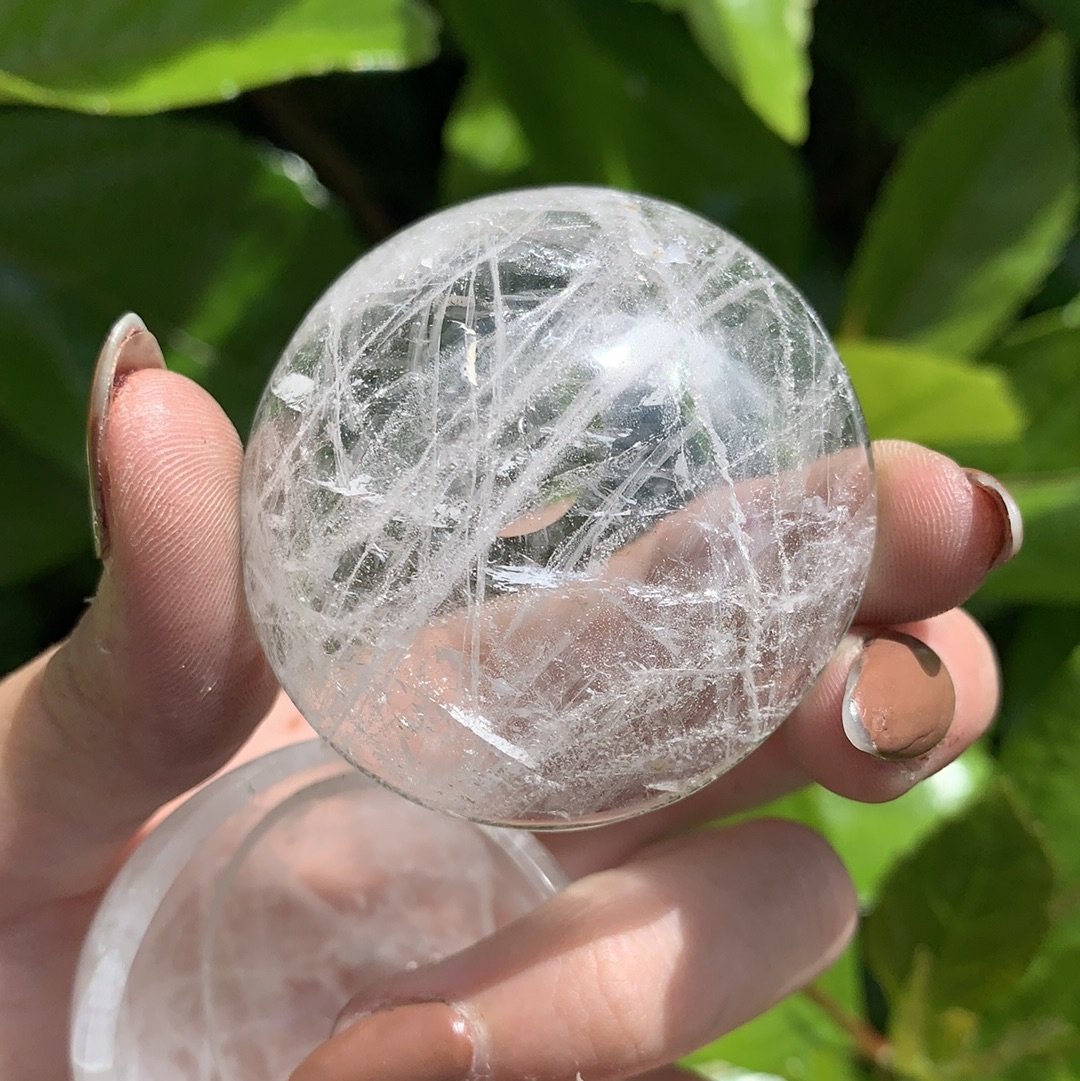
(815, 738)
(815, 873)
(941, 529)
(171, 610)
(174, 464)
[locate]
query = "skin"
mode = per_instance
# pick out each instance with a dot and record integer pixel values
(650, 952)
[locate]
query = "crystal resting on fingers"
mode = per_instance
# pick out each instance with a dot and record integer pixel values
(555, 506)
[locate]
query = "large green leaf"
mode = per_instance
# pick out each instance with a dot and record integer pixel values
(1042, 359)
(137, 56)
(215, 243)
(973, 902)
(1045, 572)
(911, 393)
(762, 48)
(1042, 758)
(975, 212)
(607, 92)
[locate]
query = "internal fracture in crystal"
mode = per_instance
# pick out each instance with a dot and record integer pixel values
(555, 506)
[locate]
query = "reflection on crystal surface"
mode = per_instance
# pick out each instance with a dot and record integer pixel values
(555, 506)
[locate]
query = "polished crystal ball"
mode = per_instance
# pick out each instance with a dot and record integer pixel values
(555, 507)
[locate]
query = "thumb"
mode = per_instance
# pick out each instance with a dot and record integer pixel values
(162, 678)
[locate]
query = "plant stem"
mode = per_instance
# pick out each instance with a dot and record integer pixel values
(870, 1045)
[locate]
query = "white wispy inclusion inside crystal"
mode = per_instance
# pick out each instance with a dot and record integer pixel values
(555, 507)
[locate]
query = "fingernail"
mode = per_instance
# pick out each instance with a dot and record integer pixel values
(128, 348)
(1008, 514)
(899, 700)
(426, 1041)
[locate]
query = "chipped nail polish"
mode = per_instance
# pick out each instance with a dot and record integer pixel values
(899, 700)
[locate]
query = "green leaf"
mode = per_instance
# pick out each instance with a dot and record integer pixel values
(485, 146)
(44, 383)
(219, 246)
(482, 129)
(931, 1043)
(975, 213)
(1042, 758)
(795, 1040)
(871, 837)
(1031, 1044)
(911, 393)
(22, 621)
(762, 48)
(1045, 1001)
(46, 515)
(134, 56)
(1033, 644)
(975, 898)
(1061, 13)
(613, 93)
(891, 63)
(1045, 572)
(1042, 359)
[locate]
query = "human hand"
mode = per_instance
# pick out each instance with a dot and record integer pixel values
(663, 941)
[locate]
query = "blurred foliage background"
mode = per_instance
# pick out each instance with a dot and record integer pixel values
(911, 164)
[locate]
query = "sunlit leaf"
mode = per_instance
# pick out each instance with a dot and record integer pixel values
(136, 56)
(485, 146)
(762, 48)
(974, 900)
(912, 393)
(975, 213)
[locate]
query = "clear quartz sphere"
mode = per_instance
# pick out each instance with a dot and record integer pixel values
(555, 506)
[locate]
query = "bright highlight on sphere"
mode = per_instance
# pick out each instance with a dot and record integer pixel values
(555, 506)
